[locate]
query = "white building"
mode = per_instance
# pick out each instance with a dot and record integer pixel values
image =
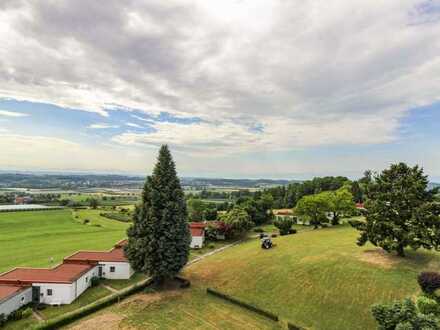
(55, 286)
(111, 264)
(197, 235)
(13, 297)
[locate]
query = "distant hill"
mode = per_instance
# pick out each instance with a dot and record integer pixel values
(75, 181)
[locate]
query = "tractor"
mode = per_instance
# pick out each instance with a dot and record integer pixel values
(266, 242)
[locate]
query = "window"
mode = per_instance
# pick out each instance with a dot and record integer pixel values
(87, 279)
(22, 299)
(112, 269)
(49, 292)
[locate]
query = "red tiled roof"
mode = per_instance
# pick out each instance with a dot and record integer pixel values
(122, 243)
(114, 255)
(64, 273)
(197, 225)
(196, 231)
(197, 228)
(10, 290)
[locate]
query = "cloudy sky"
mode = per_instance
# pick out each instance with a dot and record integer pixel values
(237, 88)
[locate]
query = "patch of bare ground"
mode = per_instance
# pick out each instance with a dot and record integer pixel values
(380, 258)
(108, 321)
(169, 289)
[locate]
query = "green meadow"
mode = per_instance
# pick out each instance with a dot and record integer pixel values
(317, 279)
(34, 238)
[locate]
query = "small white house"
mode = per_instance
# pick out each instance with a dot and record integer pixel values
(13, 297)
(111, 264)
(55, 286)
(197, 235)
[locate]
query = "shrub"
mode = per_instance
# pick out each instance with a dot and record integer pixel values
(427, 305)
(2, 320)
(258, 230)
(402, 315)
(27, 312)
(15, 315)
(211, 246)
(283, 225)
(429, 281)
(292, 231)
(86, 221)
(94, 281)
(274, 235)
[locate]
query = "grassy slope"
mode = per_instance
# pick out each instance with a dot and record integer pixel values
(184, 309)
(315, 278)
(31, 238)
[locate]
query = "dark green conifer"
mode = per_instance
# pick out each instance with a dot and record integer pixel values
(159, 239)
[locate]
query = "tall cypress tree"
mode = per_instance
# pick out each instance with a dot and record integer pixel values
(159, 239)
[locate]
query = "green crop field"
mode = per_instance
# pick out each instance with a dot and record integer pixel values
(319, 279)
(33, 238)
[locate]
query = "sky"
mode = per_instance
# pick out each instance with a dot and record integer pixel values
(237, 88)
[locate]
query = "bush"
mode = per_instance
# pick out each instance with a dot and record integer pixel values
(258, 230)
(401, 316)
(429, 281)
(2, 320)
(283, 225)
(274, 235)
(427, 306)
(292, 231)
(211, 246)
(15, 315)
(27, 312)
(86, 221)
(94, 281)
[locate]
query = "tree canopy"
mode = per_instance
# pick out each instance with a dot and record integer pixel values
(159, 239)
(400, 211)
(238, 220)
(314, 208)
(340, 202)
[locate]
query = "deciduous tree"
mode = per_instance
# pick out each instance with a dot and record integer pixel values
(400, 211)
(314, 208)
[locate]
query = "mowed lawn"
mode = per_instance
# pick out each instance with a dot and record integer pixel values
(317, 279)
(33, 238)
(175, 309)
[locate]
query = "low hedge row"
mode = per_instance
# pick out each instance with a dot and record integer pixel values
(116, 216)
(91, 308)
(248, 306)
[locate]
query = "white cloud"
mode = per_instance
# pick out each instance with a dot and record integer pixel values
(102, 126)
(12, 114)
(49, 153)
(310, 73)
(133, 125)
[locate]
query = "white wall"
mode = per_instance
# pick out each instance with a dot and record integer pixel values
(197, 241)
(61, 293)
(84, 282)
(68, 292)
(123, 270)
(15, 302)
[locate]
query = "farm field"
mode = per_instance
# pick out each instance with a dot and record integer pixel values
(32, 238)
(318, 279)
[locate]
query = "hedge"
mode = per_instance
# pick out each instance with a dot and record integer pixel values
(91, 308)
(291, 326)
(243, 304)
